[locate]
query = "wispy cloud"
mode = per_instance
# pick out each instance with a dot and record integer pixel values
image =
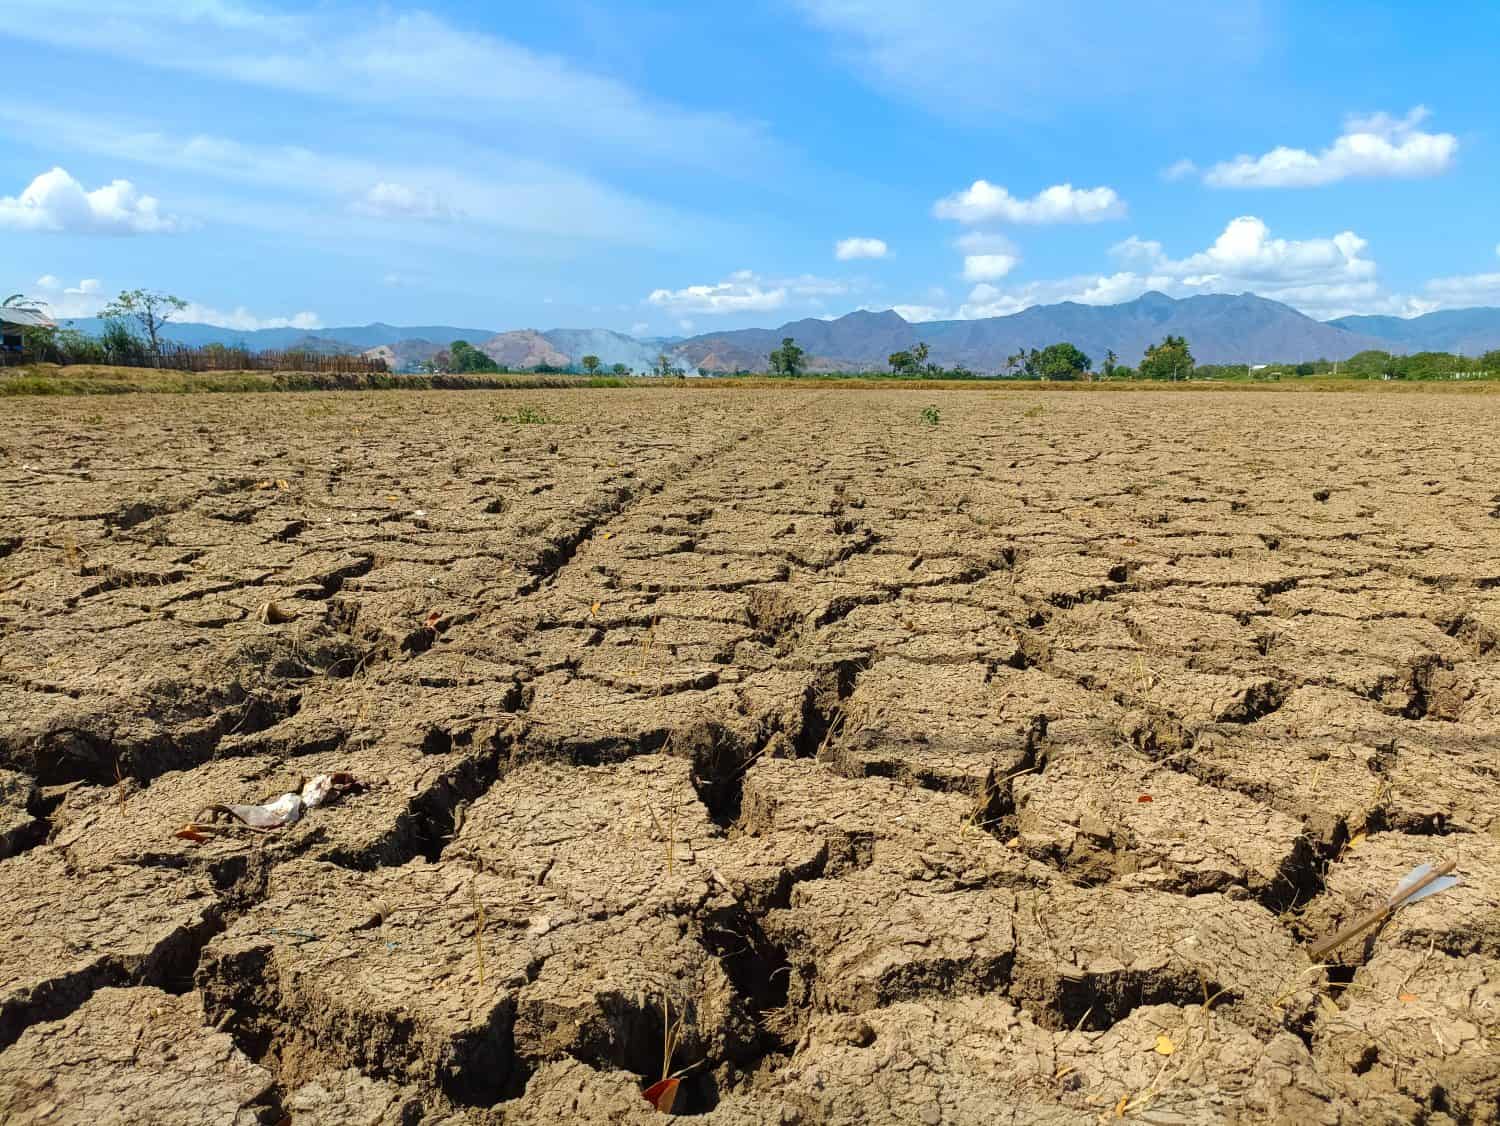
(498, 190)
(950, 55)
(1376, 146)
(406, 59)
(386, 200)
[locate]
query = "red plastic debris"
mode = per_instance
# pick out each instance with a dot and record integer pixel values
(662, 1095)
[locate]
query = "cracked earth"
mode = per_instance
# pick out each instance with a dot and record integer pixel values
(997, 770)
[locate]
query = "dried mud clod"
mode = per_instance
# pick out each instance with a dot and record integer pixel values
(742, 739)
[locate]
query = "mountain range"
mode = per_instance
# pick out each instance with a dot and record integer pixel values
(1220, 329)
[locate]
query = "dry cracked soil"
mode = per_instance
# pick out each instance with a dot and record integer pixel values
(854, 769)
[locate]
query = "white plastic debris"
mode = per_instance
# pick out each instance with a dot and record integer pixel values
(1442, 883)
(285, 810)
(316, 792)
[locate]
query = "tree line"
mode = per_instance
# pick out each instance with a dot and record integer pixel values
(1170, 359)
(133, 335)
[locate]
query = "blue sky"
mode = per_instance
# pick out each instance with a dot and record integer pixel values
(682, 167)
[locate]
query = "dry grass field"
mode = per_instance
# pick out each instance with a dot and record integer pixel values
(870, 763)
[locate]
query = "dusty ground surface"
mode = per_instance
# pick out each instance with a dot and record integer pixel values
(1001, 769)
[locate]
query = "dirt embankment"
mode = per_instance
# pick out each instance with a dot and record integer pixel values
(887, 771)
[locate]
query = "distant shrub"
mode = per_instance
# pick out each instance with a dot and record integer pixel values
(528, 416)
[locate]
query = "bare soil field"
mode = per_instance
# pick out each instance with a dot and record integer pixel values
(849, 767)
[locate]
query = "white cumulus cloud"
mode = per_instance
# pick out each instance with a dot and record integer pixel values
(65, 301)
(918, 313)
(987, 256)
(244, 320)
(983, 201)
(1378, 145)
(1464, 291)
(745, 291)
(1324, 277)
(741, 292)
(88, 299)
(846, 250)
(1247, 256)
(988, 267)
(55, 201)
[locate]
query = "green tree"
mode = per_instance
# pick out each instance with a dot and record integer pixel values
(123, 346)
(902, 363)
(620, 369)
(463, 357)
(789, 359)
(1171, 359)
(148, 309)
(1111, 363)
(591, 365)
(1061, 361)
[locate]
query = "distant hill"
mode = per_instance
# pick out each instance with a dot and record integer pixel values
(524, 349)
(1469, 332)
(855, 340)
(1220, 328)
(404, 354)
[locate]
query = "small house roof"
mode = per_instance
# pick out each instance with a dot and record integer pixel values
(25, 318)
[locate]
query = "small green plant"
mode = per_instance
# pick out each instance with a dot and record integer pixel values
(528, 416)
(930, 415)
